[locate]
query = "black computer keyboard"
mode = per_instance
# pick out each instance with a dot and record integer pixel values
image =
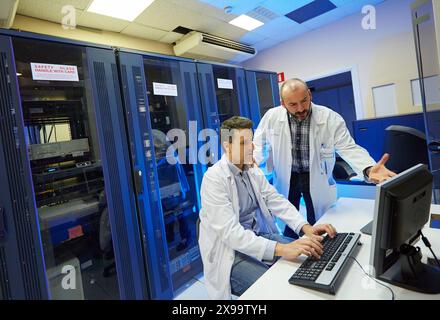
(325, 274)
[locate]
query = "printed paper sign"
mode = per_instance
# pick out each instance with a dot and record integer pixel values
(224, 84)
(164, 89)
(54, 72)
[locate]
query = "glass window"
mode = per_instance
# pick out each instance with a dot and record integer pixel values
(265, 94)
(226, 92)
(66, 169)
(177, 184)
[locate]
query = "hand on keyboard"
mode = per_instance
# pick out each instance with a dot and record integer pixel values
(307, 246)
(324, 274)
(318, 230)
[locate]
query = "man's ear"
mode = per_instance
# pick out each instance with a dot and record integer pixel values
(310, 94)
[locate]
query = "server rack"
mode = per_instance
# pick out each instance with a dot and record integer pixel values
(100, 183)
(224, 94)
(161, 94)
(67, 205)
(263, 93)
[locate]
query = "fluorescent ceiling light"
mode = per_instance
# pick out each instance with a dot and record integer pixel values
(121, 9)
(246, 22)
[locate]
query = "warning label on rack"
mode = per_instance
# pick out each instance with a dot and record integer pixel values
(54, 72)
(164, 89)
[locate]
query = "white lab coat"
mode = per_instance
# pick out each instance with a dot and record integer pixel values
(221, 233)
(328, 133)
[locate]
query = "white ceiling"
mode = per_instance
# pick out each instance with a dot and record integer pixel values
(159, 20)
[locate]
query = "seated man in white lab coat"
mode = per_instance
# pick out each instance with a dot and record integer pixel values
(237, 228)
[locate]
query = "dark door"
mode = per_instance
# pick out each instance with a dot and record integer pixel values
(263, 93)
(22, 269)
(336, 93)
(143, 161)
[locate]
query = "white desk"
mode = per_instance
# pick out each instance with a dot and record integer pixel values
(348, 215)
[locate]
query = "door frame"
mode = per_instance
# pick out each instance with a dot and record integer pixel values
(358, 102)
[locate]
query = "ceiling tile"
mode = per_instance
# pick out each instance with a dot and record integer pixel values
(97, 21)
(79, 4)
(266, 43)
(251, 38)
(350, 7)
(282, 6)
(279, 27)
(167, 16)
(312, 10)
(262, 14)
(360, 3)
(282, 36)
(171, 37)
(205, 9)
(140, 31)
(325, 19)
(45, 10)
(161, 15)
(237, 7)
(36, 6)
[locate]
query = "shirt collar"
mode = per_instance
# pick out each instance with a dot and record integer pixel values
(235, 170)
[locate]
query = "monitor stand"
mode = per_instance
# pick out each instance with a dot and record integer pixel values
(368, 228)
(410, 273)
(433, 262)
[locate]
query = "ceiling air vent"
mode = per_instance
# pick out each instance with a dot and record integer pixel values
(199, 45)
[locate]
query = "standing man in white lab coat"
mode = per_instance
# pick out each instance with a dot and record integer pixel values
(299, 139)
(237, 229)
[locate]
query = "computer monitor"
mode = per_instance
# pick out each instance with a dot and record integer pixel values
(402, 209)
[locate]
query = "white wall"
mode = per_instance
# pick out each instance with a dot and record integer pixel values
(377, 57)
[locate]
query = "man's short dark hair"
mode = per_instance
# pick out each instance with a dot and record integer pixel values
(232, 123)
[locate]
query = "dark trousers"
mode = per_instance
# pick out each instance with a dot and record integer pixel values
(300, 186)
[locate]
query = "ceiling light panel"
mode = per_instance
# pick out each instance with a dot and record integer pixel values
(120, 9)
(245, 22)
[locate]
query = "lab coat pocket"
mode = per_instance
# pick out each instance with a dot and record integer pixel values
(277, 142)
(276, 131)
(274, 135)
(327, 160)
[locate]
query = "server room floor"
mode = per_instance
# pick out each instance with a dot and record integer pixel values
(194, 290)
